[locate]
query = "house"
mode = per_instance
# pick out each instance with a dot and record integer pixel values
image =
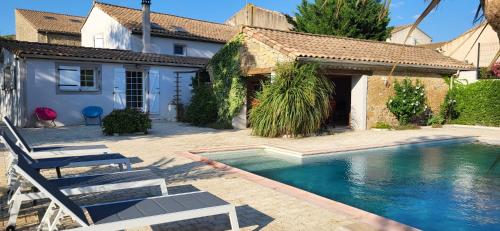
(45, 27)
(477, 46)
(417, 37)
(69, 78)
(358, 68)
(252, 15)
(118, 65)
(117, 27)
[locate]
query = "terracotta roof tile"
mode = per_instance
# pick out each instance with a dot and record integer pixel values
(43, 50)
(341, 48)
(52, 22)
(170, 25)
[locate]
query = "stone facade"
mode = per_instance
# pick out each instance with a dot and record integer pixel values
(52, 38)
(380, 88)
(26, 32)
(255, 54)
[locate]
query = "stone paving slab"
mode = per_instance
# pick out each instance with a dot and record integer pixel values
(258, 207)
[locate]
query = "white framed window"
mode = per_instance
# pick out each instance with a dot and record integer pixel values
(134, 89)
(180, 49)
(74, 78)
(98, 41)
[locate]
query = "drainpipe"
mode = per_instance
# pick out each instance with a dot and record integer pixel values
(478, 59)
(146, 26)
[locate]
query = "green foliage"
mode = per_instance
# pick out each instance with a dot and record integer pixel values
(474, 104)
(126, 121)
(436, 120)
(202, 109)
(382, 125)
(353, 19)
(407, 127)
(9, 37)
(408, 101)
(485, 73)
(228, 84)
(296, 102)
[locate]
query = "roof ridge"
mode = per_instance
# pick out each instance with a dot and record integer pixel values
(334, 36)
(46, 12)
(160, 13)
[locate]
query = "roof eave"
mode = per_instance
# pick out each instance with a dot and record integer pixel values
(69, 58)
(366, 65)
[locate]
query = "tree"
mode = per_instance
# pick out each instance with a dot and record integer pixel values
(350, 18)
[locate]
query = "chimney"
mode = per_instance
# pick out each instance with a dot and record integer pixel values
(146, 26)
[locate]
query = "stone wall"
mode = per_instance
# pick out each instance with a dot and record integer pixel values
(252, 15)
(72, 40)
(24, 30)
(379, 93)
(255, 54)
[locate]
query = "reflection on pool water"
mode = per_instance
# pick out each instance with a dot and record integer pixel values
(438, 186)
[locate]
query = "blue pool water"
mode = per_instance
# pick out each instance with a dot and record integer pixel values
(440, 186)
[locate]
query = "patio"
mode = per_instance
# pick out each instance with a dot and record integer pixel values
(258, 207)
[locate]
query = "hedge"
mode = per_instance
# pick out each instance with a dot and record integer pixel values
(477, 103)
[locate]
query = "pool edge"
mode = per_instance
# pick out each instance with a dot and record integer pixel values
(374, 220)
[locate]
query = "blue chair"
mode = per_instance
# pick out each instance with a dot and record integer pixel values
(92, 112)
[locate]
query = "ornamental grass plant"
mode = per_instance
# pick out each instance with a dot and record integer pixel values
(294, 103)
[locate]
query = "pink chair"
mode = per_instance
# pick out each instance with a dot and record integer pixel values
(46, 114)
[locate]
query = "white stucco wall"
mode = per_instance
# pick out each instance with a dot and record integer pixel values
(115, 35)
(162, 45)
(465, 48)
(417, 37)
(42, 91)
(359, 94)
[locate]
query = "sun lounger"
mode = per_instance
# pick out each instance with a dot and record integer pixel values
(85, 184)
(67, 162)
(53, 150)
(124, 214)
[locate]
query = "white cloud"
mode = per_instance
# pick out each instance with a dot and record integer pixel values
(416, 16)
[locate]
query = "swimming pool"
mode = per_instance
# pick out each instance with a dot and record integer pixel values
(435, 186)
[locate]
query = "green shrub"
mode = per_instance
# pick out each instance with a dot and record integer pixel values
(202, 109)
(294, 103)
(474, 104)
(228, 85)
(436, 120)
(126, 121)
(408, 101)
(382, 125)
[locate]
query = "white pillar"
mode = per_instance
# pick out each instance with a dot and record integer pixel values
(359, 94)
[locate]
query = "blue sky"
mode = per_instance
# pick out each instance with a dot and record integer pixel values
(450, 19)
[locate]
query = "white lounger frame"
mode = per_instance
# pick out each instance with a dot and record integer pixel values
(51, 221)
(139, 222)
(55, 153)
(16, 197)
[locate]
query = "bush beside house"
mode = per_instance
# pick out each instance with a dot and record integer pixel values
(408, 102)
(202, 109)
(474, 104)
(126, 121)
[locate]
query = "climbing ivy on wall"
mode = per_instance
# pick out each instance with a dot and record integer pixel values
(228, 83)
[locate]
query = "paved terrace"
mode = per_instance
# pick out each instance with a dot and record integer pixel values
(258, 207)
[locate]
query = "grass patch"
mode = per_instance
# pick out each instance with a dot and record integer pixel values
(407, 127)
(382, 125)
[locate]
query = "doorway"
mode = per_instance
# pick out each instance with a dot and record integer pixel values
(134, 90)
(340, 101)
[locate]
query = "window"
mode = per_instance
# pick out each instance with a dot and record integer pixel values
(87, 78)
(134, 89)
(98, 41)
(179, 49)
(78, 78)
